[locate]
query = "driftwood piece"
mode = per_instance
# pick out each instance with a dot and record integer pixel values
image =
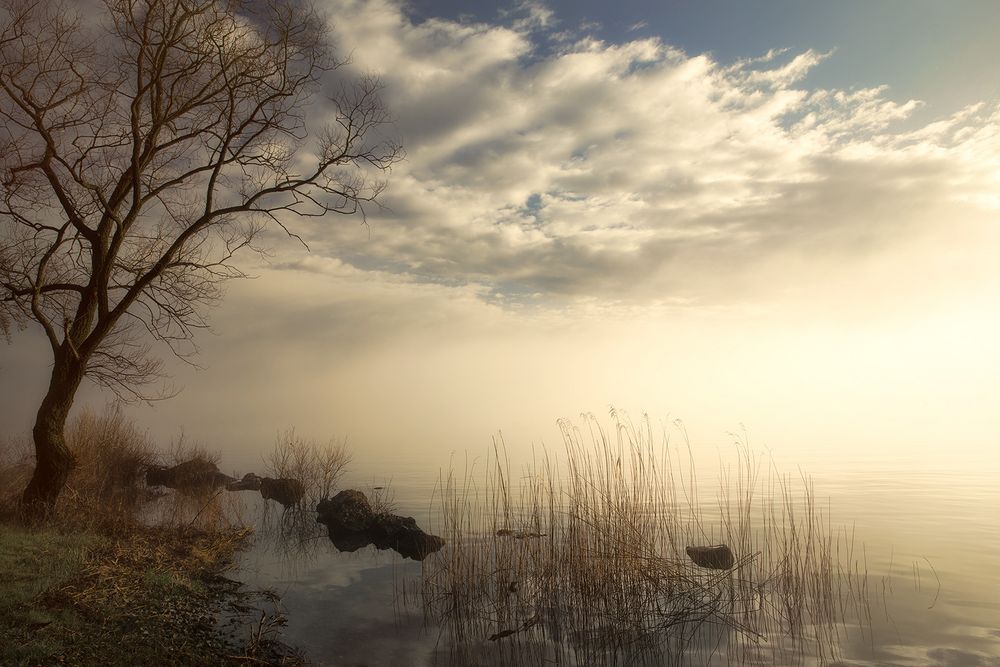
(518, 534)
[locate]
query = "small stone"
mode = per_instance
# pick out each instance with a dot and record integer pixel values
(715, 557)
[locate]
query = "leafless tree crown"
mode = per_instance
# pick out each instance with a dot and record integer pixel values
(138, 157)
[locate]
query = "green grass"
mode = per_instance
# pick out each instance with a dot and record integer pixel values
(35, 562)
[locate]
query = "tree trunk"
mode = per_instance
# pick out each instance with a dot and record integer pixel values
(53, 460)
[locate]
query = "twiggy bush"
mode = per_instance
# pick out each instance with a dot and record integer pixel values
(319, 466)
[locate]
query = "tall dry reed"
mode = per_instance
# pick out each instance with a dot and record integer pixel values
(581, 560)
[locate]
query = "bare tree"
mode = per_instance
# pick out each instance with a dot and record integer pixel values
(139, 157)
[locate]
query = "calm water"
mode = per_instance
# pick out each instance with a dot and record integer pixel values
(929, 539)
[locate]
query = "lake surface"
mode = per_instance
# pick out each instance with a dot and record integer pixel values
(928, 540)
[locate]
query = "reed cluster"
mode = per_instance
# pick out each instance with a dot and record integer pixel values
(581, 559)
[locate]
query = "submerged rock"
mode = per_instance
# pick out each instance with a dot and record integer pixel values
(716, 557)
(352, 524)
(285, 490)
(249, 482)
(198, 474)
(391, 531)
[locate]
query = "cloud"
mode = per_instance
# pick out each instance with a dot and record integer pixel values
(530, 15)
(635, 171)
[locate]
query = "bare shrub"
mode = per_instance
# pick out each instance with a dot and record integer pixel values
(319, 466)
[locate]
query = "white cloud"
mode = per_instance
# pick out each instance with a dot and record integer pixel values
(635, 171)
(530, 15)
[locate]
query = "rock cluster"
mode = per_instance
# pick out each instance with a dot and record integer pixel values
(287, 491)
(348, 516)
(352, 524)
(199, 475)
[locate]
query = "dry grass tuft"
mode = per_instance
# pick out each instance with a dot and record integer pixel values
(17, 461)
(106, 488)
(121, 568)
(106, 491)
(382, 499)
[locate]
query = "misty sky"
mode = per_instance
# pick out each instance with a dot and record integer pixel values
(776, 214)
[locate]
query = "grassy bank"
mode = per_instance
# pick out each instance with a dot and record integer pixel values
(86, 599)
(121, 573)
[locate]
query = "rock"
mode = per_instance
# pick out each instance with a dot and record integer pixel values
(390, 531)
(352, 525)
(198, 474)
(285, 490)
(348, 511)
(349, 541)
(250, 482)
(717, 557)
